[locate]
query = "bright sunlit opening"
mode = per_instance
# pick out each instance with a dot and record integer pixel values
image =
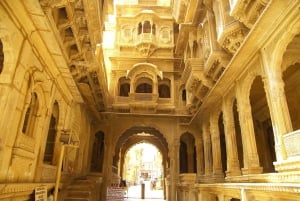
(143, 166)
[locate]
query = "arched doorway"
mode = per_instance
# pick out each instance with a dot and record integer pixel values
(138, 135)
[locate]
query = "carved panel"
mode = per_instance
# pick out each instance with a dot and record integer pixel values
(291, 142)
(233, 36)
(248, 11)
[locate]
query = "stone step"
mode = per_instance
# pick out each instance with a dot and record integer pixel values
(80, 190)
(81, 186)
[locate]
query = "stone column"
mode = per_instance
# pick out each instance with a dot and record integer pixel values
(174, 169)
(251, 160)
(233, 165)
(207, 151)
(216, 147)
(155, 86)
(200, 158)
(274, 87)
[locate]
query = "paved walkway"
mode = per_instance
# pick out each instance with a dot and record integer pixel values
(135, 199)
(134, 194)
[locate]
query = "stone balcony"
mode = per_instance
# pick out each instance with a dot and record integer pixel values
(143, 102)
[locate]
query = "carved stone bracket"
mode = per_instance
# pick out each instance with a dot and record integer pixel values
(233, 36)
(216, 64)
(146, 49)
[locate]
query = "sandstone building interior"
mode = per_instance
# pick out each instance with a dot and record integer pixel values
(213, 84)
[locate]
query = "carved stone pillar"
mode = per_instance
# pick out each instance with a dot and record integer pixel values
(155, 86)
(233, 165)
(216, 147)
(207, 151)
(274, 87)
(251, 160)
(174, 169)
(200, 158)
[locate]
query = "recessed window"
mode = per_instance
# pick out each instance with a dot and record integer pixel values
(124, 89)
(124, 85)
(147, 27)
(164, 91)
(69, 32)
(153, 29)
(30, 116)
(50, 143)
(183, 95)
(140, 27)
(62, 12)
(144, 88)
(1, 57)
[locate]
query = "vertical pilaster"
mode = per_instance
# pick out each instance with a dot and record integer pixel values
(216, 147)
(207, 151)
(274, 87)
(233, 165)
(174, 169)
(200, 158)
(251, 160)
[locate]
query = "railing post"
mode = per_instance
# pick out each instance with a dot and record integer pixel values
(58, 171)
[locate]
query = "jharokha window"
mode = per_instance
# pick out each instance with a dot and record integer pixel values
(124, 86)
(146, 27)
(164, 88)
(30, 115)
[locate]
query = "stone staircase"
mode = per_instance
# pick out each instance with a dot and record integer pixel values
(81, 189)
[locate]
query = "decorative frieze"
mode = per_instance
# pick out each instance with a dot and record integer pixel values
(187, 178)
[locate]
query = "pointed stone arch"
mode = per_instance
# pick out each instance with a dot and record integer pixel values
(136, 132)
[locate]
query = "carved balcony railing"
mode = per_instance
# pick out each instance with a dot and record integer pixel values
(150, 97)
(146, 38)
(141, 102)
(292, 148)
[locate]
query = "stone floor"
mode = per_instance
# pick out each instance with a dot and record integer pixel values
(136, 199)
(134, 194)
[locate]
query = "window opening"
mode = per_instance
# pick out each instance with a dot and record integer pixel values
(183, 95)
(153, 29)
(48, 155)
(30, 115)
(144, 88)
(147, 27)
(140, 28)
(1, 57)
(124, 89)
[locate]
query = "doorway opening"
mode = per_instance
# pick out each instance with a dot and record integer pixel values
(143, 172)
